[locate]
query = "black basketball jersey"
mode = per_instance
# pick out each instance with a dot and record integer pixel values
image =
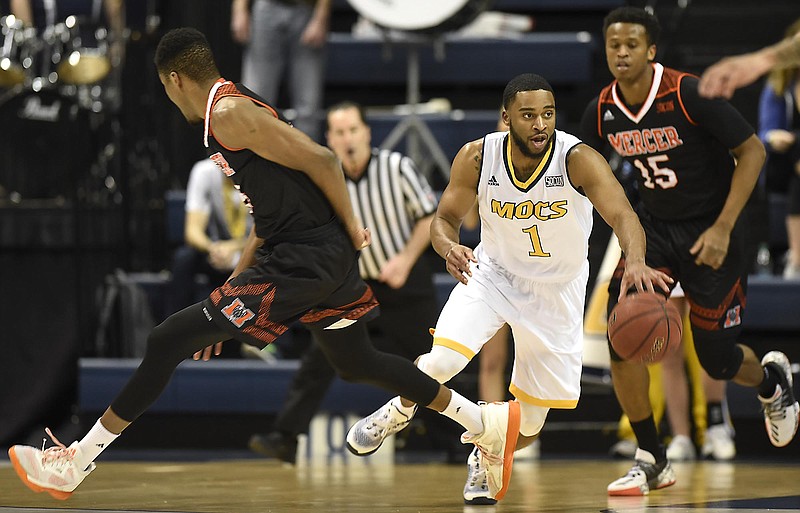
(677, 142)
(283, 201)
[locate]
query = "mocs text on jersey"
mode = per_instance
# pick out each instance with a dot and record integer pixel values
(541, 210)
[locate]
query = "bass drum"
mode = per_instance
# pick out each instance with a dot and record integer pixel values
(426, 16)
(47, 147)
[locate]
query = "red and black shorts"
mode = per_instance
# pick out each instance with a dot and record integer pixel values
(717, 297)
(312, 278)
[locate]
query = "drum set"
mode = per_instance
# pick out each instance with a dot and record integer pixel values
(414, 24)
(57, 86)
(70, 54)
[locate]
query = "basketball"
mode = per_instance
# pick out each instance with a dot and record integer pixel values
(644, 327)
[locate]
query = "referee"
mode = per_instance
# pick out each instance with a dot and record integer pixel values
(392, 199)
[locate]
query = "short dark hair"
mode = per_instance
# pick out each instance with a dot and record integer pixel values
(186, 51)
(346, 104)
(524, 82)
(638, 16)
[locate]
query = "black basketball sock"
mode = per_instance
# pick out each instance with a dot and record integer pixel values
(647, 437)
(771, 379)
(714, 414)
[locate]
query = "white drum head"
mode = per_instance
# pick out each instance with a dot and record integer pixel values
(411, 14)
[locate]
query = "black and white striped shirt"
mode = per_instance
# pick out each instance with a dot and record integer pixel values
(389, 199)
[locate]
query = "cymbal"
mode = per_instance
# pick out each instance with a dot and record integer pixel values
(83, 68)
(11, 73)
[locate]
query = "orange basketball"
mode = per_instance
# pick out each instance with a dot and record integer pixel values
(644, 327)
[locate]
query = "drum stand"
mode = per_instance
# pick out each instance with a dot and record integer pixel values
(413, 127)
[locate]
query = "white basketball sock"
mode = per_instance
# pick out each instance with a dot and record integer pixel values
(465, 412)
(91, 445)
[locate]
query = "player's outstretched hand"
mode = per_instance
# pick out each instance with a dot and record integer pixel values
(723, 78)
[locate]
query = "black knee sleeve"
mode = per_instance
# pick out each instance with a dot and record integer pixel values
(355, 359)
(718, 353)
(172, 341)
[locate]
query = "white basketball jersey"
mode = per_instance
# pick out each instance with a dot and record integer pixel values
(537, 229)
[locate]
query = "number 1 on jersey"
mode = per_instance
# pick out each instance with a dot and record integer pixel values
(536, 242)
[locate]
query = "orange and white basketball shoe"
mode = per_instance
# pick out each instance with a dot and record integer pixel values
(645, 475)
(52, 470)
(497, 443)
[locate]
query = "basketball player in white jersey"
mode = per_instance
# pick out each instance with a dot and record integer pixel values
(535, 187)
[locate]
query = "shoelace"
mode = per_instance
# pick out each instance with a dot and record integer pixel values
(382, 422)
(636, 469)
(639, 468)
(776, 410)
(489, 457)
(648, 470)
(58, 455)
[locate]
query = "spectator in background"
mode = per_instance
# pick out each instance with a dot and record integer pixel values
(215, 230)
(285, 42)
(391, 198)
(779, 129)
(41, 12)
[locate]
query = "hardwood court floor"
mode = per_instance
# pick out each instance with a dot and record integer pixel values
(349, 485)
